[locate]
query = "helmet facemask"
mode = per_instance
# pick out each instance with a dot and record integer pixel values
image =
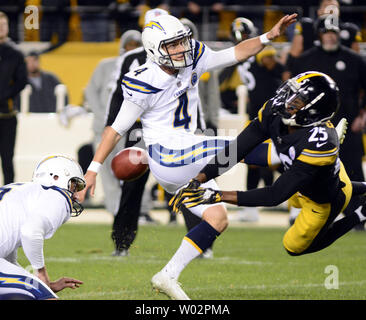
(168, 43)
(295, 102)
(176, 60)
(75, 185)
(286, 94)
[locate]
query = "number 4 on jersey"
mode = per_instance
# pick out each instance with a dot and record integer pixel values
(181, 116)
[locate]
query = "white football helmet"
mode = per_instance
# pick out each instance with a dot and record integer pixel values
(163, 30)
(63, 172)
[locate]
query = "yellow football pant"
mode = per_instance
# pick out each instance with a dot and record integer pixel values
(314, 216)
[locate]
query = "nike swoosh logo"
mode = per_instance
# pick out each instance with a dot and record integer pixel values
(314, 211)
(130, 94)
(318, 145)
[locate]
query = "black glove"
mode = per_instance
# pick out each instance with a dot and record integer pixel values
(192, 198)
(175, 201)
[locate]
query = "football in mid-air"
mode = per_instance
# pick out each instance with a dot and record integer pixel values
(130, 164)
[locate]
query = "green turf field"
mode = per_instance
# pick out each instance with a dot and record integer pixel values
(249, 263)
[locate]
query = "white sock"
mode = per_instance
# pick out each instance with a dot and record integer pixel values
(359, 213)
(184, 255)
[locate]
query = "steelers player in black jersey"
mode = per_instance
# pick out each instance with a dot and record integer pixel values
(297, 119)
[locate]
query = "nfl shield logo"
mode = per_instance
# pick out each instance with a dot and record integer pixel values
(194, 78)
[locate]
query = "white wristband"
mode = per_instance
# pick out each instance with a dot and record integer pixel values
(94, 166)
(263, 39)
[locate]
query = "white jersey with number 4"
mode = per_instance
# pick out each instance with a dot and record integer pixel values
(167, 106)
(170, 102)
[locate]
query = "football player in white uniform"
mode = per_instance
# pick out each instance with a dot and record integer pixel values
(163, 93)
(29, 213)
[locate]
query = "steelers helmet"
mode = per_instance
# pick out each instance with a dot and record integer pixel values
(308, 99)
(242, 29)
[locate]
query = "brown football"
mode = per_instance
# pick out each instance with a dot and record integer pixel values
(130, 164)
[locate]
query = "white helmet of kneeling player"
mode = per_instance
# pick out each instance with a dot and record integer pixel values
(62, 172)
(168, 42)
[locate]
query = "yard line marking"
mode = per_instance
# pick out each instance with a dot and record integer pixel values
(151, 259)
(284, 286)
(190, 289)
(101, 294)
(240, 261)
(63, 259)
(144, 260)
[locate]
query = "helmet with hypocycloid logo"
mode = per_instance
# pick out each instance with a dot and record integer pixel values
(308, 99)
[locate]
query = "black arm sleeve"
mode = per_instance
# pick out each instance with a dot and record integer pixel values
(284, 187)
(245, 142)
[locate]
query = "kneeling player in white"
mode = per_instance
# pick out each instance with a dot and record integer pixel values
(163, 93)
(29, 213)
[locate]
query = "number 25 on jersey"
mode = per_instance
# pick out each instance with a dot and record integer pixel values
(319, 135)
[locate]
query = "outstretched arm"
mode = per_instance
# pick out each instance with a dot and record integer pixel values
(249, 138)
(127, 116)
(284, 187)
(232, 154)
(110, 139)
(247, 48)
(251, 47)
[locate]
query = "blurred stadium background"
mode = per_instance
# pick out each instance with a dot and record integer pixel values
(73, 60)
